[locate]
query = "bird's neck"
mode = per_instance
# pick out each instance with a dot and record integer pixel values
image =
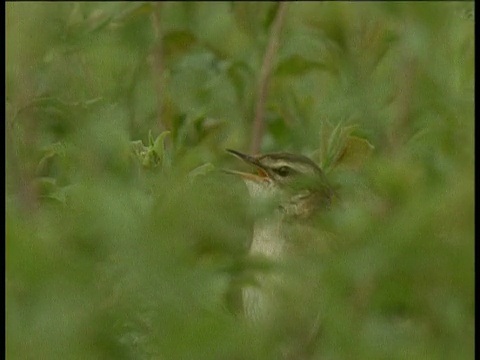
(288, 207)
(304, 204)
(267, 237)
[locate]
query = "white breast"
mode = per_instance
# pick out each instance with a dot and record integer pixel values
(268, 243)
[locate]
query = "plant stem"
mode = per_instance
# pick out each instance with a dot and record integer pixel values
(157, 63)
(262, 93)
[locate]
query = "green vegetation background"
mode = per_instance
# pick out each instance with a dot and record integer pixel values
(112, 253)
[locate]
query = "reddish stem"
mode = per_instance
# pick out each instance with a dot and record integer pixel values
(265, 72)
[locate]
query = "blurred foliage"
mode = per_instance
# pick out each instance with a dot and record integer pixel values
(116, 249)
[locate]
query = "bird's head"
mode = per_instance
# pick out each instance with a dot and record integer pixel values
(296, 175)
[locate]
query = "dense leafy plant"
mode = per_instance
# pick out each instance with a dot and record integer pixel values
(123, 238)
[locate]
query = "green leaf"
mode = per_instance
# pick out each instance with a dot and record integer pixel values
(201, 170)
(354, 154)
(176, 43)
(252, 17)
(135, 12)
(137, 147)
(56, 149)
(297, 65)
(150, 138)
(159, 144)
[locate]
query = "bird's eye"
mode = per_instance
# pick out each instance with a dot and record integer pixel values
(283, 171)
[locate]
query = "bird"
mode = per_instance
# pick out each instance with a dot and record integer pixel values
(298, 190)
(293, 175)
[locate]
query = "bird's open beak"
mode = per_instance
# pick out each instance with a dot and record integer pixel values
(251, 160)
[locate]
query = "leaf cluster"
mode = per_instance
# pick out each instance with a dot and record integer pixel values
(125, 240)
